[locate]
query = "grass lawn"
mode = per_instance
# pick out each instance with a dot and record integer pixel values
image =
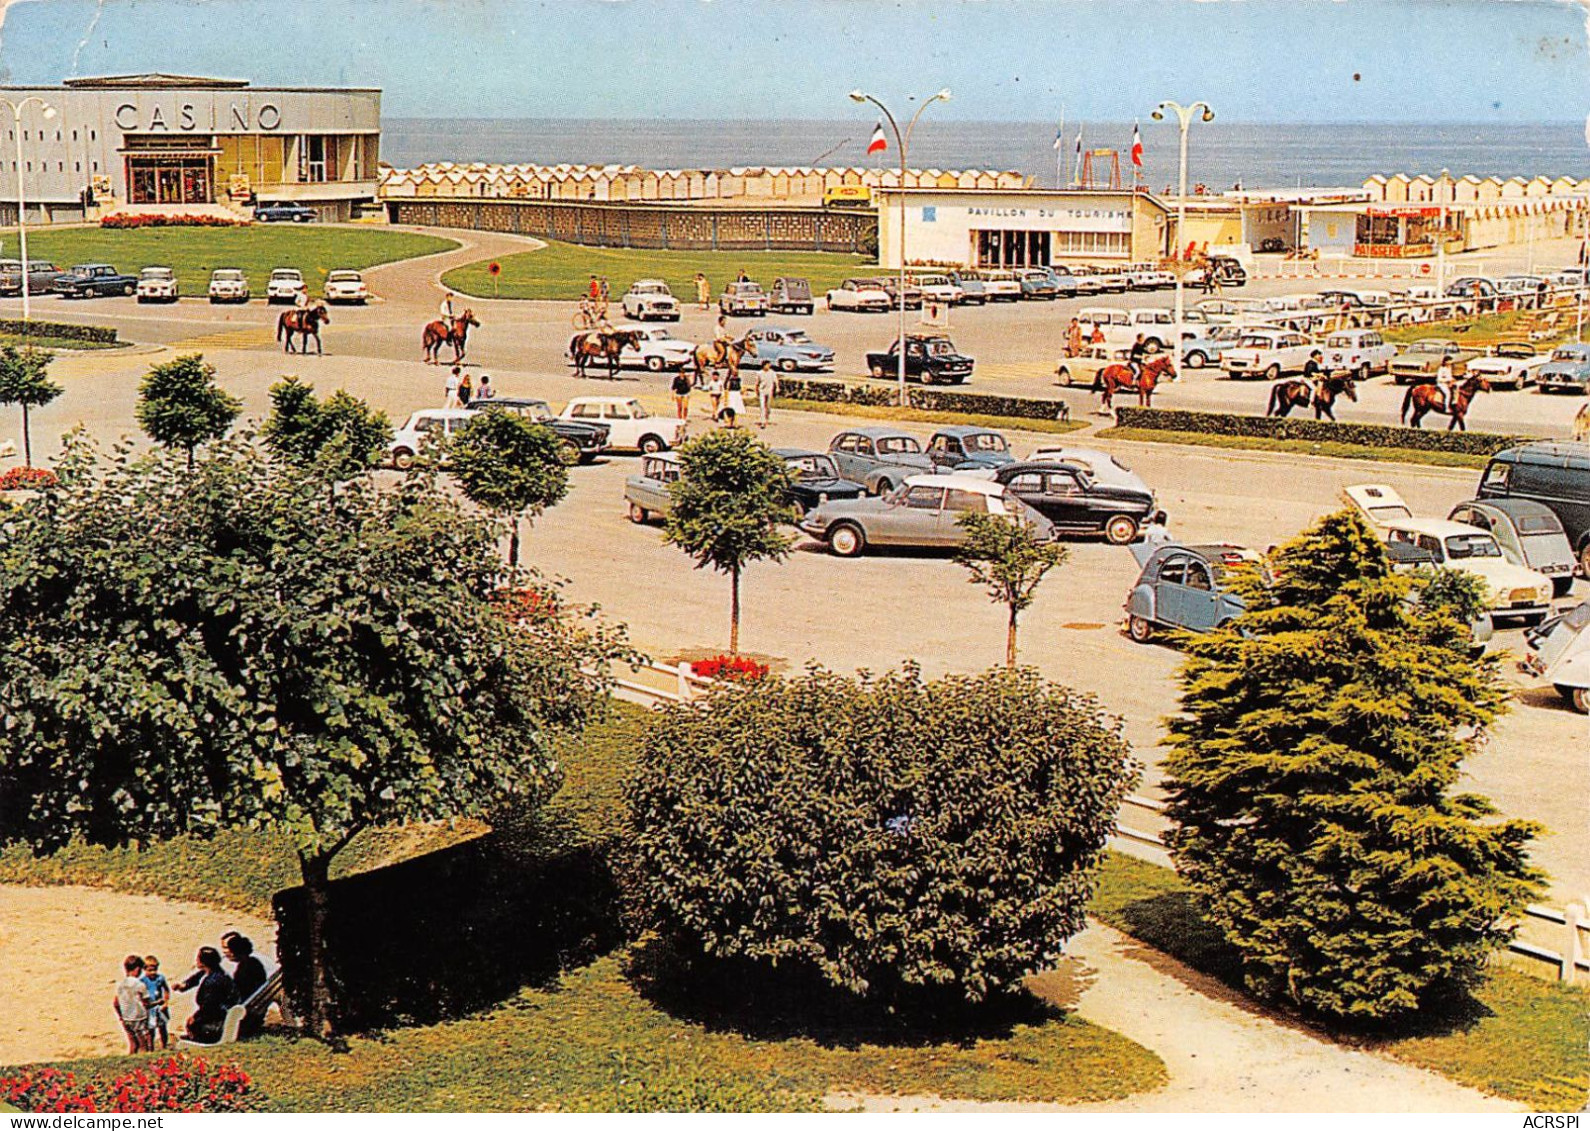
(876, 412)
(1304, 447)
(563, 271)
(194, 252)
(1486, 328)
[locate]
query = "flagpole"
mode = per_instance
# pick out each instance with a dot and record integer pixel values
(1060, 149)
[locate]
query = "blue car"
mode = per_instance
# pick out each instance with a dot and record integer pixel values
(1181, 587)
(789, 349)
(1568, 371)
(1206, 348)
(280, 211)
(965, 447)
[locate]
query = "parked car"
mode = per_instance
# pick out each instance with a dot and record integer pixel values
(655, 349)
(1088, 281)
(925, 511)
(1037, 284)
(1509, 365)
(1567, 370)
(1380, 504)
(1472, 287)
(743, 299)
(1528, 533)
(1066, 284)
(347, 286)
(41, 276)
(1267, 354)
(1114, 322)
(424, 429)
(1077, 502)
(1209, 346)
(583, 440)
(1101, 466)
(92, 280)
(647, 491)
(1227, 272)
(1363, 353)
(971, 286)
(647, 299)
(279, 211)
(158, 284)
(1144, 277)
(1418, 363)
(1001, 286)
(859, 294)
(789, 349)
(815, 478)
(1522, 288)
(1513, 591)
(963, 447)
(629, 426)
(878, 457)
(1553, 473)
(1560, 654)
(228, 284)
(1179, 587)
(1111, 281)
(891, 287)
(791, 295)
(929, 358)
(940, 289)
(284, 285)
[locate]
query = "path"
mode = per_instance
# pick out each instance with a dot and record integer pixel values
(417, 282)
(67, 944)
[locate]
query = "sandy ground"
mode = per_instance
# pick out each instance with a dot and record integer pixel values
(68, 943)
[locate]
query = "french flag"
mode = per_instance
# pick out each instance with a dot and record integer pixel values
(878, 143)
(1137, 146)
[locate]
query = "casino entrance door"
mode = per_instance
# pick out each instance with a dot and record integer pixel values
(170, 180)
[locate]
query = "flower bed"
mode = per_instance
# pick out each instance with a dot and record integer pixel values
(728, 667)
(183, 1084)
(122, 220)
(27, 479)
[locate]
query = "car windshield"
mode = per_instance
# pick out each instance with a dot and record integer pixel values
(814, 467)
(156, 272)
(1515, 351)
(1570, 355)
(796, 336)
(228, 276)
(898, 445)
(1472, 546)
(1430, 345)
(289, 275)
(341, 277)
(938, 347)
(649, 288)
(985, 442)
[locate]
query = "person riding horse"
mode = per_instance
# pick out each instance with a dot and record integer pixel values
(1134, 358)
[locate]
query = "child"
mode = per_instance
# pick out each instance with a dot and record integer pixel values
(132, 1005)
(158, 990)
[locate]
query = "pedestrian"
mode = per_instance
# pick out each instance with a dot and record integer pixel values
(454, 380)
(680, 386)
(132, 1005)
(158, 991)
(715, 391)
(1096, 340)
(703, 291)
(606, 293)
(744, 278)
(1155, 533)
(1074, 339)
(466, 390)
(766, 385)
(593, 290)
(734, 401)
(485, 392)
(215, 995)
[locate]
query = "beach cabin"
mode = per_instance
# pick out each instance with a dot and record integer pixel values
(1397, 188)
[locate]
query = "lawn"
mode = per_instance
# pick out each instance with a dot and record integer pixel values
(563, 271)
(1302, 447)
(194, 252)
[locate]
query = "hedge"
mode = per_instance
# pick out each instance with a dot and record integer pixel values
(68, 331)
(1315, 431)
(929, 399)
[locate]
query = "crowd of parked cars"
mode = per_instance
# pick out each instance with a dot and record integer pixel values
(159, 283)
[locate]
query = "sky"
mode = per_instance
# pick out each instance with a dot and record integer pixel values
(1013, 60)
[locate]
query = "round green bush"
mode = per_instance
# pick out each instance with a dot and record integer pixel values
(889, 834)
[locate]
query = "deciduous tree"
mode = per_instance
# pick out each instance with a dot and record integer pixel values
(181, 406)
(510, 465)
(342, 431)
(1009, 559)
(25, 381)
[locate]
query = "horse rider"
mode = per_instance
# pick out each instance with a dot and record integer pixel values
(1446, 380)
(1314, 369)
(585, 316)
(447, 311)
(1134, 358)
(301, 298)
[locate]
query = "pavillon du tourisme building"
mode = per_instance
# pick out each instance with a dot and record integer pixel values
(179, 143)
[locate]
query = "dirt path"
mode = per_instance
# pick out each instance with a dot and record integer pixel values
(66, 944)
(416, 283)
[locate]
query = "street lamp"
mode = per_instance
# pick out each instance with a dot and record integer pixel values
(16, 109)
(902, 142)
(1184, 116)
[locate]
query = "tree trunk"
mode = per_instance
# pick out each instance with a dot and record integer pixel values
(320, 1021)
(190, 457)
(513, 543)
(734, 611)
(27, 439)
(1010, 640)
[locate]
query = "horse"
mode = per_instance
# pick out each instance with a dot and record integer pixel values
(1120, 377)
(439, 333)
(1287, 395)
(1427, 398)
(720, 355)
(1327, 389)
(609, 344)
(306, 323)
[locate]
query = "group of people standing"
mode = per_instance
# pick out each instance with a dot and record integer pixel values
(143, 996)
(461, 390)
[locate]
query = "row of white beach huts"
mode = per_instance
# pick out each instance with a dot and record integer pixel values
(1422, 188)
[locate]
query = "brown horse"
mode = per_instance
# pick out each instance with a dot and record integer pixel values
(720, 355)
(439, 333)
(1427, 398)
(306, 323)
(608, 344)
(1120, 378)
(1287, 395)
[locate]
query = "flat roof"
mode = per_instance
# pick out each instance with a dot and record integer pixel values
(962, 191)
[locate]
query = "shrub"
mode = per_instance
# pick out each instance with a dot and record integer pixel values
(1316, 431)
(932, 400)
(27, 479)
(728, 667)
(182, 1084)
(66, 331)
(123, 220)
(886, 834)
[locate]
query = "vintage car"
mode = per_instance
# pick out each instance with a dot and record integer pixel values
(859, 294)
(1145, 277)
(929, 358)
(1567, 371)
(647, 492)
(1102, 466)
(1087, 280)
(971, 287)
(1560, 654)
(1226, 271)
(345, 285)
(1180, 587)
(1077, 502)
(1418, 363)
(1208, 346)
(815, 478)
(1363, 353)
(92, 280)
(1111, 280)
(158, 284)
(582, 441)
(1378, 503)
(41, 276)
(649, 299)
(1523, 288)
(1267, 354)
(743, 299)
(228, 284)
(285, 285)
(925, 511)
(1553, 473)
(878, 457)
(891, 287)
(655, 349)
(1513, 591)
(791, 295)
(277, 211)
(423, 429)
(964, 447)
(790, 349)
(629, 426)
(1001, 286)
(1509, 365)
(1038, 284)
(1528, 533)
(1066, 284)
(940, 289)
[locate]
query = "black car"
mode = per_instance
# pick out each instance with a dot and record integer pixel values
(91, 280)
(281, 210)
(582, 440)
(929, 358)
(1076, 502)
(816, 478)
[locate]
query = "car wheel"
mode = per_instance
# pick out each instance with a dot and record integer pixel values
(846, 540)
(882, 487)
(1272, 373)
(1140, 629)
(638, 514)
(877, 371)
(568, 453)
(1154, 344)
(651, 444)
(1364, 372)
(130, 289)
(1121, 530)
(654, 363)
(787, 364)
(1580, 700)
(1195, 360)
(402, 459)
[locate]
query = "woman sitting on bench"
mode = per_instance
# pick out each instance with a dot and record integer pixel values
(216, 994)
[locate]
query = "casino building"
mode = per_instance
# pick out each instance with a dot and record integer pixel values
(178, 143)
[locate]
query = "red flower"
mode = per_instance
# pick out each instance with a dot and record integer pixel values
(19, 478)
(728, 667)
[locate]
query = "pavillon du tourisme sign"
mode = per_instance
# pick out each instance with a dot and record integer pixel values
(1076, 218)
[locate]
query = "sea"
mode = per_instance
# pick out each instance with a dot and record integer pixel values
(1221, 154)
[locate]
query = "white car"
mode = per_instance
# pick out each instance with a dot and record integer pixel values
(1363, 353)
(157, 284)
(422, 429)
(347, 286)
(939, 288)
(285, 285)
(1149, 279)
(1001, 286)
(630, 426)
(1512, 590)
(1114, 322)
(227, 284)
(649, 299)
(859, 294)
(1377, 502)
(657, 350)
(1510, 365)
(1088, 281)
(1560, 653)
(1267, 354)
(1520, 286)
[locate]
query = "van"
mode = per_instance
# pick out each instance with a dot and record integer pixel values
(847, 196)
(1552, 472)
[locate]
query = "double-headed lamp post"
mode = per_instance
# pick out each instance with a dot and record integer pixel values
(1184, 117)
(16, 109)
(902, 142)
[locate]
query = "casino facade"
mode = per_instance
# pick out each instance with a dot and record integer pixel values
(177, 143)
